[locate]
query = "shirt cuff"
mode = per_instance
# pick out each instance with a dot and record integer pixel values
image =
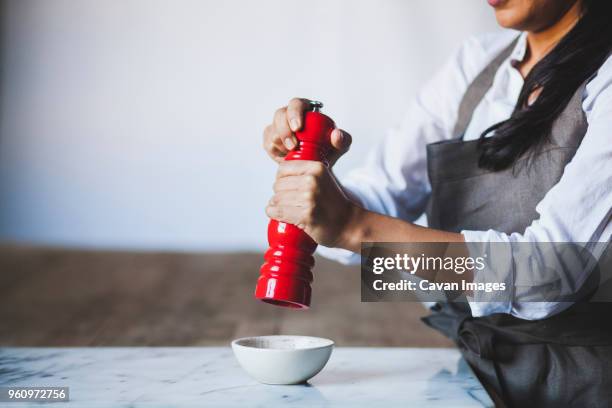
(343, 256)
(479, 245)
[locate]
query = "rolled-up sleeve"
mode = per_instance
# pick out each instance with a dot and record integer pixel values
(577, 209)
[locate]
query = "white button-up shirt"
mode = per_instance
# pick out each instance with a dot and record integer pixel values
(394, 181)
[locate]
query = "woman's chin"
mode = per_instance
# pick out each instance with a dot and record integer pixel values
(507, 13)
(508, 19)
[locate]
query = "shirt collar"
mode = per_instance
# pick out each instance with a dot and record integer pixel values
(520, 50)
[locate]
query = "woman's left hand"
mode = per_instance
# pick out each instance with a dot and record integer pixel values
(307, 195)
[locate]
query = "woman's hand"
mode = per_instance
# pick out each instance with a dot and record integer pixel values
(279, 136)
(307, 195)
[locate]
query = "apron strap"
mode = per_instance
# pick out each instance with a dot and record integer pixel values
(477, 89)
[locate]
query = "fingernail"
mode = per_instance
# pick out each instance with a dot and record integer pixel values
(289, 143)
(340, 135)
(294, 124)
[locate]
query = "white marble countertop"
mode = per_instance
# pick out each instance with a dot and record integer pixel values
(211, 377)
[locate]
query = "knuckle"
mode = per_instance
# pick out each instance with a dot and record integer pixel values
(267, 135)
(270, 133)
(311, 182)
(282, 168)
(278, 212)
(280, 113)
(318, 168)
(309, 197)
(295, 101)
(268, 130)
(269, 146)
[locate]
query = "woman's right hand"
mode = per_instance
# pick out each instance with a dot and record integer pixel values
(279, 137)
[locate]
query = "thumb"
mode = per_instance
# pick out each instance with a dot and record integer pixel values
(341, 141)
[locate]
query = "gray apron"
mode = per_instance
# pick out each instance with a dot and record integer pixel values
(561, 361)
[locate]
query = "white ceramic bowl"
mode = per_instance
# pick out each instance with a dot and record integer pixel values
(282, 359)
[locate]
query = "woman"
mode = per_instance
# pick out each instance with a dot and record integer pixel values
(510, 141)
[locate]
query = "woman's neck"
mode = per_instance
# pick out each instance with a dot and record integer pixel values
(540, 42)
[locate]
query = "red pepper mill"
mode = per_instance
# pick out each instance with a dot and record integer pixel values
(286, 275)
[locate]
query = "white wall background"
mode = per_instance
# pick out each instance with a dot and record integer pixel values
(137, 123)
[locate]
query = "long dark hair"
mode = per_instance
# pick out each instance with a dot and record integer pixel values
(557, 76)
